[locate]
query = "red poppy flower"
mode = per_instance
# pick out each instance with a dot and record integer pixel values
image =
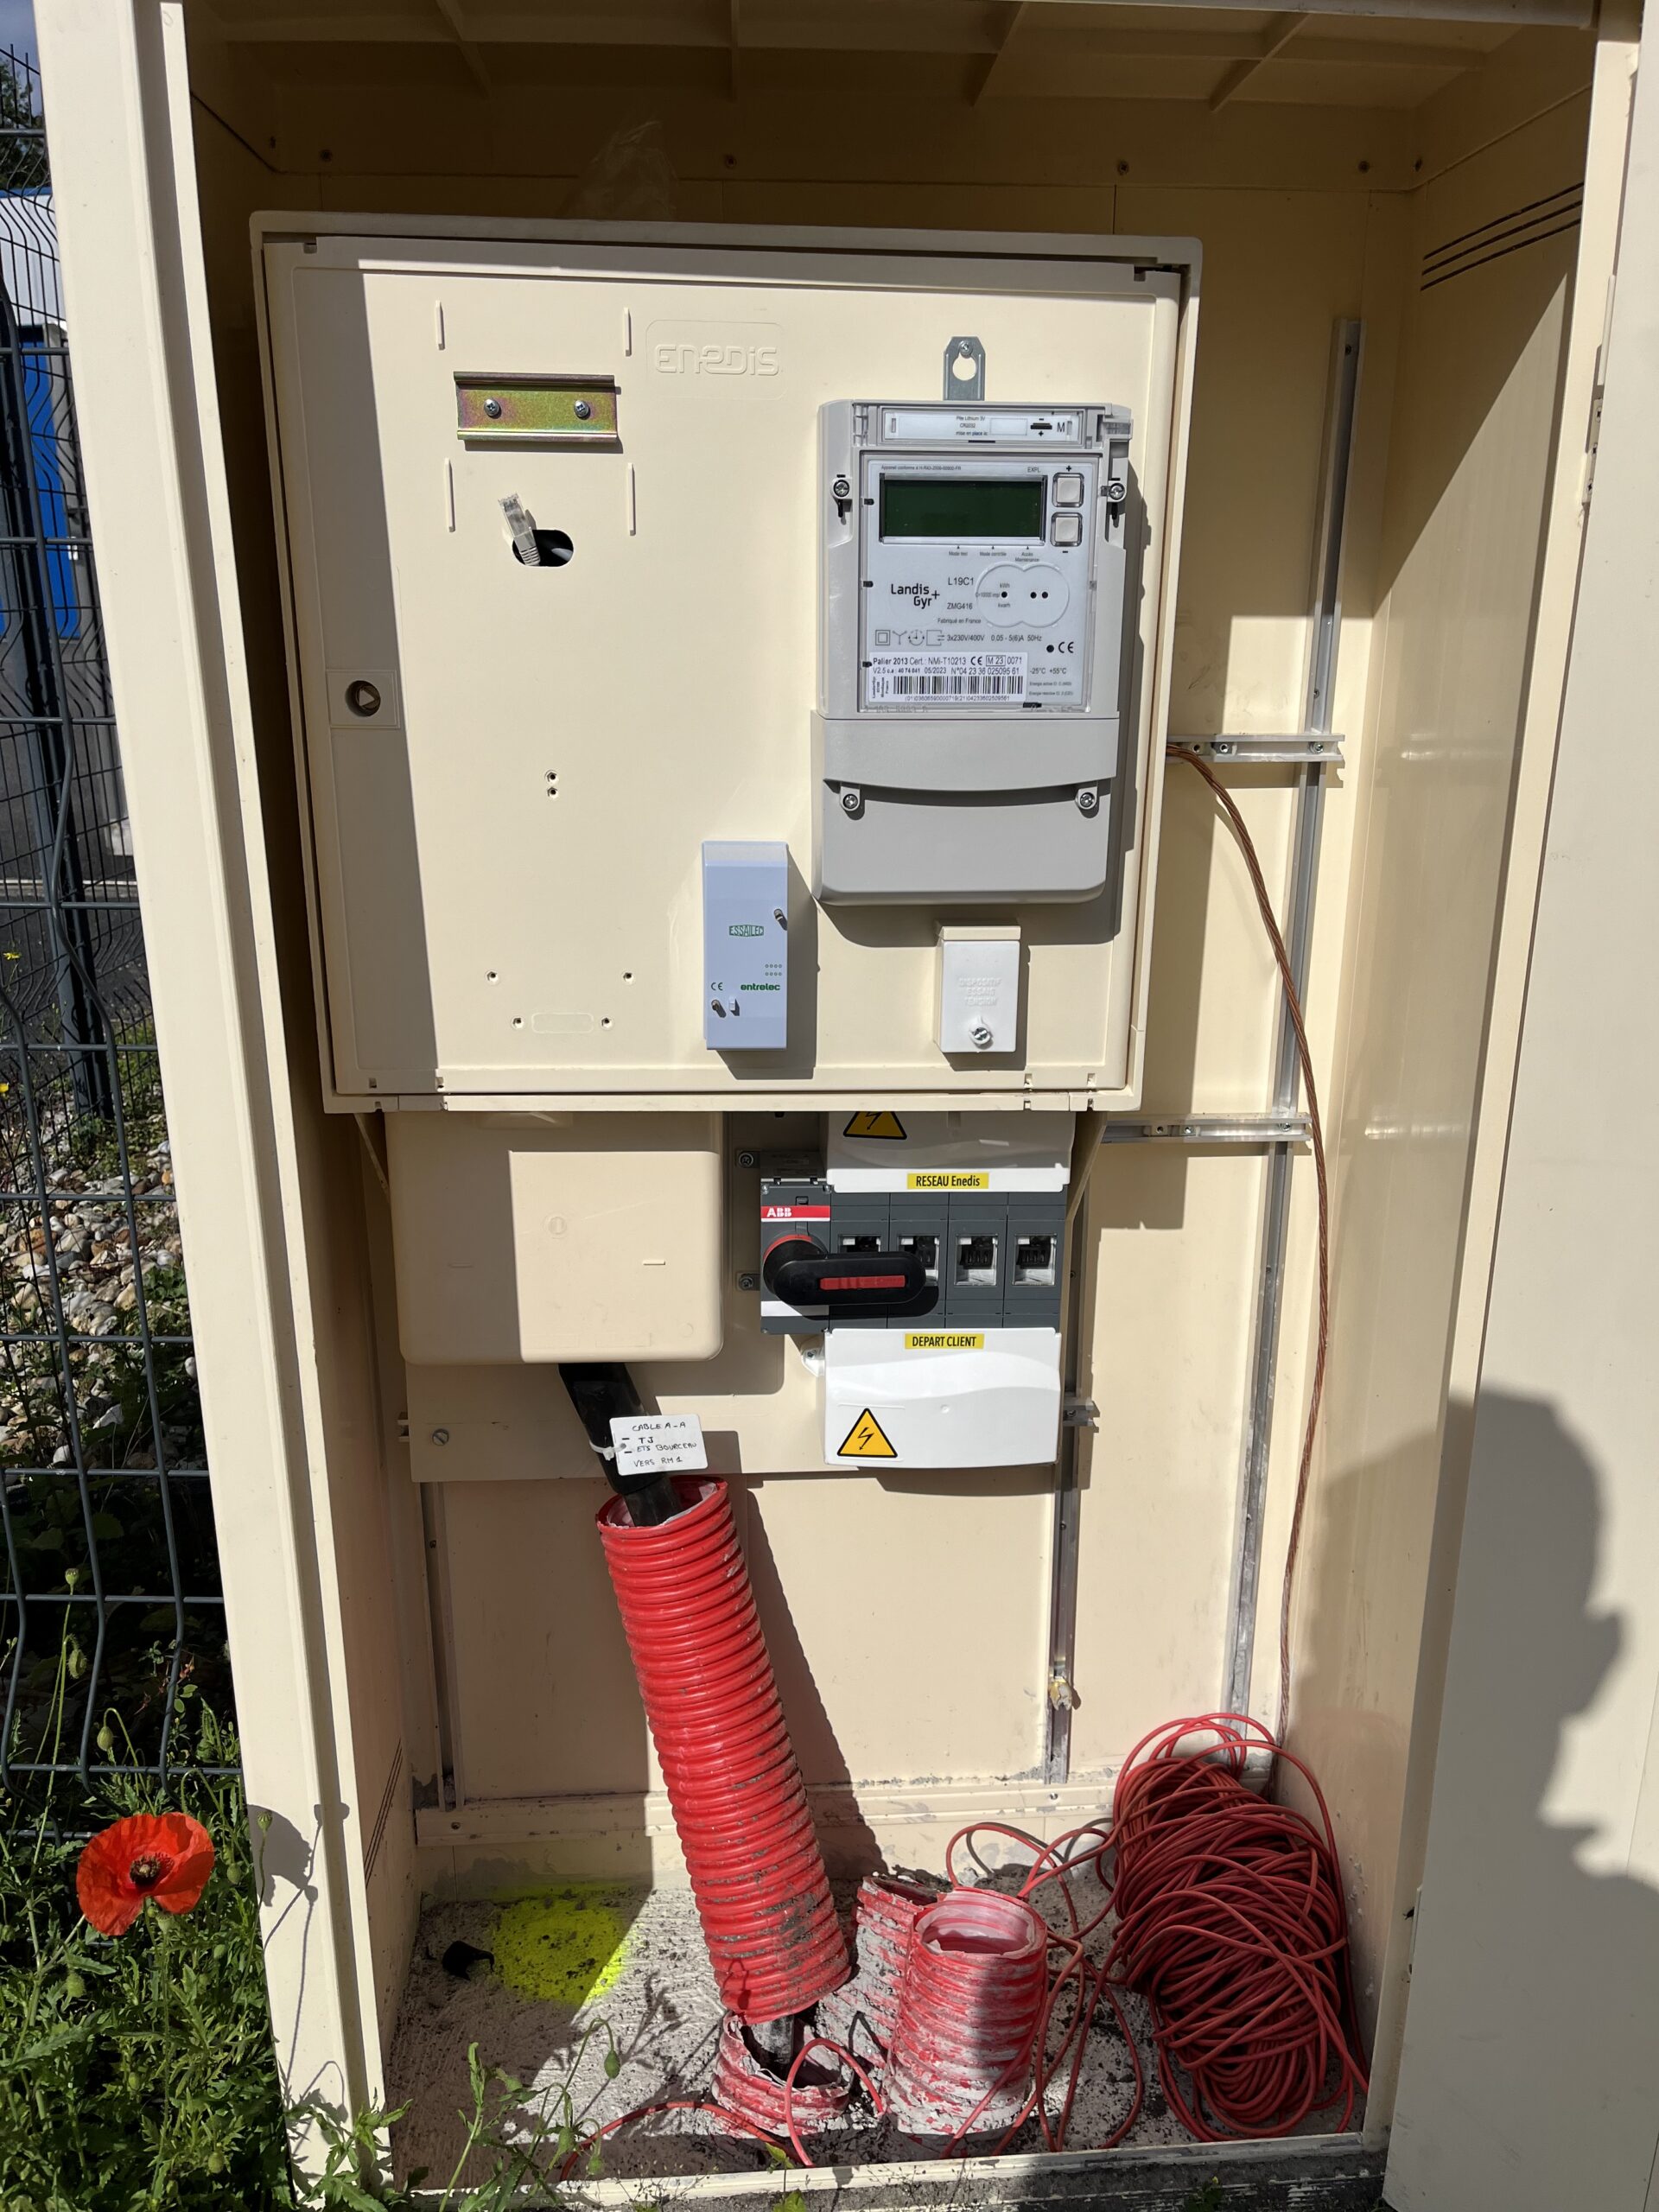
(167, 1856)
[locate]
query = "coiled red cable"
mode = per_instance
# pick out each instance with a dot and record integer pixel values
(1231, 1923)
(751, 1851)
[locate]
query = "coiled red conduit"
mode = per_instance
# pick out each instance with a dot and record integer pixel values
(975, 1988)
(739, 1802)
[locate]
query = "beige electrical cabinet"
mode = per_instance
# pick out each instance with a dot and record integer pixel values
(473, 925)
(512, 769)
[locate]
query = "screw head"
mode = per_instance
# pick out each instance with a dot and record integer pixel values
(749, 1283)
(746, 1159)
(981, 1035)
(1088, 802)
(440, 1436)
(582, 410)
(851, 802)
(493, 409)
(362, 697)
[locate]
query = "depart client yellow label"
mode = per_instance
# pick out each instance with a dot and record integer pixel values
(945, 1340)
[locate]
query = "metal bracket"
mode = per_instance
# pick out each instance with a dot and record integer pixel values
(1301, 749)
(1080, 1413)
(1213, 1129)
(957, 387)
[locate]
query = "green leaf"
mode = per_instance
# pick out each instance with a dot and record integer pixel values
(60, 2039)
(358, 2199)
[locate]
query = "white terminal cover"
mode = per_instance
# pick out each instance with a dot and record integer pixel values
(940, 1398)
(945, 1152)
(979, 990)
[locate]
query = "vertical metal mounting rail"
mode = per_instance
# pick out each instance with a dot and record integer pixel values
(1346, 346)
(1063, 1541)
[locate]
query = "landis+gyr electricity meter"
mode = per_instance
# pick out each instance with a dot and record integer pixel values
(974, 568)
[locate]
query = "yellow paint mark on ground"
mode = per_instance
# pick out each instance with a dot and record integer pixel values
(569, 1947)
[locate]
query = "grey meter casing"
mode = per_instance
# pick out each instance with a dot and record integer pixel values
(975, 589)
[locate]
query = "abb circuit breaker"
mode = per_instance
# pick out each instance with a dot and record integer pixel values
(929, 1250)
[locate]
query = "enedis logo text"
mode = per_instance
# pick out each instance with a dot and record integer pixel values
(688, 360)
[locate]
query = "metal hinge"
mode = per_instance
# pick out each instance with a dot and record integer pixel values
(1598, 392)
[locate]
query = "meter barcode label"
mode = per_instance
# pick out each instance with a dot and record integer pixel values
(927, 676)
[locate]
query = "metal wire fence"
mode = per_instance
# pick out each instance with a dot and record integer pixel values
(110, 1615)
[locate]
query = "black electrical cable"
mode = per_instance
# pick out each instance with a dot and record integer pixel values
(603, 1390)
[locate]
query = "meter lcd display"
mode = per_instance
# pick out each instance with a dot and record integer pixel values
(998, 508)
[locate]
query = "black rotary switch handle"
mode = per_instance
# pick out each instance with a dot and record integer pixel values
(797, 1270)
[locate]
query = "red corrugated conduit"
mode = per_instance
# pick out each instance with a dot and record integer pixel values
(740, 1805)
(975, 1984)
(864, 2011)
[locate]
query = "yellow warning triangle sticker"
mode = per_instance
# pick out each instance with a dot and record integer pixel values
(865, 1440)
(875, 1125)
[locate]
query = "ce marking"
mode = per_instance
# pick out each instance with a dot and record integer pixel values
(1066, 645)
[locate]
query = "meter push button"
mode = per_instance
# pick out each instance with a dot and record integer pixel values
(1068, 489)
(1066, 529)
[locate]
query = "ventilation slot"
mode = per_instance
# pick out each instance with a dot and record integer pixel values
(1526, 225)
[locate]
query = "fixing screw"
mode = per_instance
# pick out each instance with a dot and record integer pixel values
(1087, 800)
(852, 802)
(493, 409)
(749, 1283)
(582, 410)
(440, 1436)
(981, 1035)
(746, 1159)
